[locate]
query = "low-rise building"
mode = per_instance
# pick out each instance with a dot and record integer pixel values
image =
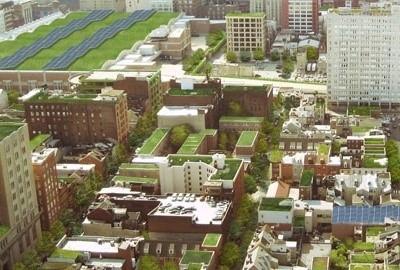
(246, 145)
(196, 116)
(277, 212)
(240, 123)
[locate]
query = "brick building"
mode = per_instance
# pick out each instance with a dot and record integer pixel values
(255, 100)
(300, 16)
(78, 119)
(44, 169)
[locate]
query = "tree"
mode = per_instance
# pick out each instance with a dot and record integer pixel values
(145, 125)
(288, 67)
(258, 54)
(46, 245)
(250, 184)
(179, 134)
(148, 263)
(286, 55)
(31, 260)
(230, 255)
(57, 230)
(222, 140)
(207, 70)
(19, 266)
(245, 56)
(86, 191)
(231, 57)
(13, 96)
(312, 54)
(275, 55)
(235, 109)
(262, 146)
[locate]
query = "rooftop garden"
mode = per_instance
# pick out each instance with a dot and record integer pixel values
(306, 178)
(151, 144)
(380, 141)
(38, 140)
(73, 98)
(3, 230)
(65, 254)
(363, 246)
(179, 160)
(247, 138)
(241, 119)
(361, 266)
(138, 166)
(195, 92)
(194, 256)
(320, 263)
(230, 170)
(211, 239)
(6, 128)
(194, 140)
(363, 258)
(262, 88)
(298, 222)
(374, 230)
(276, 204)
(323, 149)
(134, 180)
(275, 156)
(372, 162)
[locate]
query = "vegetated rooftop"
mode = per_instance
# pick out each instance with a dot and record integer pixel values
(65, 254)
(379, 141)
(241, 119)
(138, 166)
(230, 170)
(247, 138)
(320, 263)
(262, 88)
(179, 160)
(374, 230)
(194, 92)
(194, 256)
(134, 180)
(3, 230)
(43, 97)
(372, 162)
(299, 222)
(6, 128)
(306, 178)
(363, 246)
(276, 204)
(211, 239)
(194, 140)
(361, 266)
(150, 145)
(363, 258)
(323, 149)
(38, 140)
(195, 266)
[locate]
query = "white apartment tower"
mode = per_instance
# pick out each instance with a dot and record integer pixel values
(364, 55)
(272, 9)
(19, 212)
(300, 16)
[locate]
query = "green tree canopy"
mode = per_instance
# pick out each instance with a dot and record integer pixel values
(45, 246)
(245, 56)
(230, 255)
(231, 57)
(312, 54)
(148, 263)
(250, 184)
(258, 54)
(275, 55)
(13, 96)
(179, 134)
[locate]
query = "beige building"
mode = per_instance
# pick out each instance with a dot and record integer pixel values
(19, 212)
(117, 5)
(246, 32)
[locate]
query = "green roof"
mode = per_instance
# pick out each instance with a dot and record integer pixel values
(299, 222)
(320, 263)
(65, 254)
(151, 144)
(134, 180)
(276, 204)
(363, 258)
(194, 140)
(43, 97)
(138, 166)
(194, 256)
(179, 160)
(275, 156)
(195, 266)
(370, 162)
(6, 128)
(261, 88)
(378, 141)
(195, 92)
(3, 230)
(237, 14)
(38, 140)
(230, 170)
(241, 119)
(247, 138)
(363, 246)
(212, 239)
(374, 230)
(323, 149)
(306, 178)
(361, 266)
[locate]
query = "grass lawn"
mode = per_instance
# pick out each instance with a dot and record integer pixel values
(45, 56)
(247, 138)
(363, 246)
(9, 47)
(363, 258)
(320, 263)
(6, 128)
(134, 180)
(110, 49)
(306, 178)
(230, 170)
(276, 204)
(211, 239)
(359, 129)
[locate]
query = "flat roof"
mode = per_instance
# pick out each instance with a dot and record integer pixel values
(212, 239)
(7, 128)
(240, 119)
(138, 166)
(189, 92)
(247, 138)
(155, 139)
(38, 140)
(364, 215)
(196, 257)
(181, 110)
(194, 140)
(42, 97)
(109, 75)
(276, 204)
(90, 246)
(134, 180)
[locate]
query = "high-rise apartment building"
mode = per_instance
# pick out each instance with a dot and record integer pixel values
(19, 212)
(363, 55)
(78, 119)
(246, 32)
(117, 5)
(45, 171)
(272, 8)
(300, 16)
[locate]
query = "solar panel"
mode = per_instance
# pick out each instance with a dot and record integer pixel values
(71, 55)
(365, 215)
(14, 60)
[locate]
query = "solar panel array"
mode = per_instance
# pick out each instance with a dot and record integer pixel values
(364, 215)
(72, 54)
(13, 61)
